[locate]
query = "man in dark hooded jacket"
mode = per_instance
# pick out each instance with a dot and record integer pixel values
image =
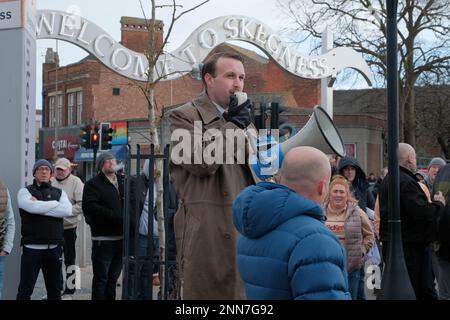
(350, 168)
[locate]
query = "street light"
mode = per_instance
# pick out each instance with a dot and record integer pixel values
(396, 284)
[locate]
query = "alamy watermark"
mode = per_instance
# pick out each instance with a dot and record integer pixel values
(373, 281)
(73, 277)
(228, 146)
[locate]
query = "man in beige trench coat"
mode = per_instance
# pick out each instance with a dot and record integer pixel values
(204, 231)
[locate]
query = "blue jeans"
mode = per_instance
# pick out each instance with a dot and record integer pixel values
(362, 284)
(353, 283)
(145, 278)
(2, 268)
(142, 250)
(143, 289)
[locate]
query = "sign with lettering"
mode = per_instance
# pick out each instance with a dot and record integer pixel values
(66, 146)
(10, 15)
(93, 39)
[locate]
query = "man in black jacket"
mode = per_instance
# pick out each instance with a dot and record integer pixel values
(103, 209)
(42, 209)
(418, 220)
(350, 168)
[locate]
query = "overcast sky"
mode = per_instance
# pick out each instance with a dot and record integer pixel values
(107, 14)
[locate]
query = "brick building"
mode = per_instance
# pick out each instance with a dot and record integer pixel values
(88, 91)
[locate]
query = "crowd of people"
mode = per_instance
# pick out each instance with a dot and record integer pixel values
(306, 233)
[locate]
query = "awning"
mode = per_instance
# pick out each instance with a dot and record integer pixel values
(119, 151)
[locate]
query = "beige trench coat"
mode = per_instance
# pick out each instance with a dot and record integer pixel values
(204, 231)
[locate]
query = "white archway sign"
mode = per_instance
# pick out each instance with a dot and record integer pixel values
(88, 36)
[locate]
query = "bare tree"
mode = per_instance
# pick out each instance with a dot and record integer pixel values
(423, 31)
(154, 75)
(433, 111)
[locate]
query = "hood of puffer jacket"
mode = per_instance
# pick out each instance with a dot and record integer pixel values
(261, 208)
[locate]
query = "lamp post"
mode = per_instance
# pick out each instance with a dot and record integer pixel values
(395, 284)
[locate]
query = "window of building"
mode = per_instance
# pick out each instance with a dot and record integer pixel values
(116, 91)
(51, 112)
(70, 107)
(79, 107)
(60, 110)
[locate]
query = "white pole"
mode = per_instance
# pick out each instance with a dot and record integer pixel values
(326, 88)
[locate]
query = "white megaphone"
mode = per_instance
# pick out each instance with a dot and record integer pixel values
(319, 132)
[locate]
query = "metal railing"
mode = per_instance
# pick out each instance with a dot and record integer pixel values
(138, 268)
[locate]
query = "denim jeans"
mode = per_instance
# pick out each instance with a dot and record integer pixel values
(106, 266)
(144, 278)
(32, 261)
(2, 268)
(362, 284)
(353, 283)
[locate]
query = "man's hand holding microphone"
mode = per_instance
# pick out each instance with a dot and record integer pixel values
(238, 111)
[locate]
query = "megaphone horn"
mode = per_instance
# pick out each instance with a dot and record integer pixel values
(319, 132)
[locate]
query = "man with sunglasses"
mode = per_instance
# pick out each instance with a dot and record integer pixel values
(42, 209)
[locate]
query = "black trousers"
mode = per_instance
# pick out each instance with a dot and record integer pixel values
(106, 266)
(70, 238)
(33, 260)
(417, 260)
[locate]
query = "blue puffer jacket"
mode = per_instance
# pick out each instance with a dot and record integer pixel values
(285, 251)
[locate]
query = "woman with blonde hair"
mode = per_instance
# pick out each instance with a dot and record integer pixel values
(351, 225)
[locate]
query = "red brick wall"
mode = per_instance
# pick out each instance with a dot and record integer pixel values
(98, 82)
(137, 40)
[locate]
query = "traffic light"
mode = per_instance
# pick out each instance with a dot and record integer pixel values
(107, 136)
(85, 137)
(95, 138)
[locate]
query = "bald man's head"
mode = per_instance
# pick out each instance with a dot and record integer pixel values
(407, 157)
(307, 171)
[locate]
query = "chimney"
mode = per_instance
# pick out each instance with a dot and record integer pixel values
(135, 35)
(51, 56)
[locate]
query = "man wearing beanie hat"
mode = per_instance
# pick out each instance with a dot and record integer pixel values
(102, 208)
(433, 169)
(102, 158)
(42, 209)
